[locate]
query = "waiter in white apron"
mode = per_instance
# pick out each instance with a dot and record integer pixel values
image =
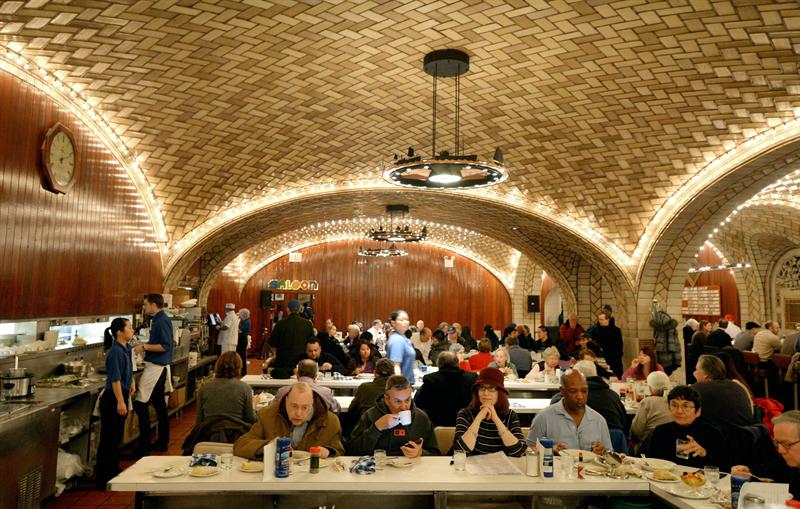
(156, 380)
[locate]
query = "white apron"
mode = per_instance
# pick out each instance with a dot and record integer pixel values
(150, 375)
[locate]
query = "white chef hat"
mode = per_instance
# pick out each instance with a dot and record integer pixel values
(230, 306)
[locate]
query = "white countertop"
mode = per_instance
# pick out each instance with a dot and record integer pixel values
(519, 405)
(426, 475)
(257, 381)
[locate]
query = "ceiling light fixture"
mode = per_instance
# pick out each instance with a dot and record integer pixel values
(446, 170)
(397, 232)
(382, 252)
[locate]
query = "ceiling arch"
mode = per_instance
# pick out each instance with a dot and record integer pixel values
(602, 115)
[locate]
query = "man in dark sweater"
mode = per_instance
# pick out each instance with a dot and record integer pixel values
(387, 426)
(289, 337)
(327, 363)
(609, 337)
(445, 392)
(725, 402)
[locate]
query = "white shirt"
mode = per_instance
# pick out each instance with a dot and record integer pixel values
(230, 336)
(732, 329)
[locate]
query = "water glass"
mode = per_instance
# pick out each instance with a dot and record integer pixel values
(566, 466)
(680, 443)
(712, 475)
(380, 459)
(460, 460)
(226, 460)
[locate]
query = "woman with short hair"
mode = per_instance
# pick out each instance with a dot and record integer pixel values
(226, 396)
(481, 359)
(654, 409)
(548, 366)
(503, 363)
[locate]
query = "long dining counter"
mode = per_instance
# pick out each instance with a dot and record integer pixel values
(346, 385)
(519, 405)
(427, 482)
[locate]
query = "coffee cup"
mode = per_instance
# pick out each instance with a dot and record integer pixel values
(404, 417)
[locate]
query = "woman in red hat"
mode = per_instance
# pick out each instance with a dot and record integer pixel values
(488, 425)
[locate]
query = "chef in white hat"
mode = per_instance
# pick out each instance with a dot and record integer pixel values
(229, 330)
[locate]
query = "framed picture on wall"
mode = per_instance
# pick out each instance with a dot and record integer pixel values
(277, 296)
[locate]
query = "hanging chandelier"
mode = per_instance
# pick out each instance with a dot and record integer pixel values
(382, 252)
(446, 170)
(397, 231)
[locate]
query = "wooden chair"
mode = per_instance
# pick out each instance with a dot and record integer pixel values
(758, 369)
(444, 437)
(782, 363)
(212, 448)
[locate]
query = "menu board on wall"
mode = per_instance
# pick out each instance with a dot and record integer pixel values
(701, 300)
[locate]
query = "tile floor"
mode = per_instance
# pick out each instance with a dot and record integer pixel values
(86, 496)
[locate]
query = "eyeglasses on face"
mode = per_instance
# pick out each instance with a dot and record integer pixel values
(686, 407)
(785, 444)
(487, 388)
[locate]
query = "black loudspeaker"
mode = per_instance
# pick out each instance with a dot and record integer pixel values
(266, 299)
(533, 303)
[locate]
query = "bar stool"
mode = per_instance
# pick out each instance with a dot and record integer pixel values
(758, 368)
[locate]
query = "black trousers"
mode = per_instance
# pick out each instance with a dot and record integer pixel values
(112, 427)
(143, 413)
(241, 349)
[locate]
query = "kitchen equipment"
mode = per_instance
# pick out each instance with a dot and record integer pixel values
(77, 368)
(8, 339)
(50, 339)
(25, 339)
(16, 384)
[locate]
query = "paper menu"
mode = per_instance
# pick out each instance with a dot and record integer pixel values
(772, 493)
(269, 460)
(491, 464)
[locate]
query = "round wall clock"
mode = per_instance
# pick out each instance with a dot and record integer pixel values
(60, 159)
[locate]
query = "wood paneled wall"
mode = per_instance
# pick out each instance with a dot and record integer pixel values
(362, 289)
(728, 291)
(91, 251)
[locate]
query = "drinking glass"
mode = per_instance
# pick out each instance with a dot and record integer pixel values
(712, 475)
(226, 460)
(680, 443)
(380, 459)
(460, 460)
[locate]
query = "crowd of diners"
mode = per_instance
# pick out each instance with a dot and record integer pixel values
(468, 392)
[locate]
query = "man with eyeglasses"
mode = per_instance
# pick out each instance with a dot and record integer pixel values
(395, 425)
(785, 469)
(687, 440)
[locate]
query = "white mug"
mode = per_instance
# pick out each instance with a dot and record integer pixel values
(405, 417)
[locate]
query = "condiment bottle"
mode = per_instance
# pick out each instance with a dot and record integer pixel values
(547, 457)
(283, 456)
(580, 466)
(314, 468)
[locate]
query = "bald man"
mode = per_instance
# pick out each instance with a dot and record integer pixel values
(303, 417)
(569, 422)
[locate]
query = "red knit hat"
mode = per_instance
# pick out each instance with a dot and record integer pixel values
(491, 376)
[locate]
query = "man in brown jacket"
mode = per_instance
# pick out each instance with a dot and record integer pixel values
(303, 417)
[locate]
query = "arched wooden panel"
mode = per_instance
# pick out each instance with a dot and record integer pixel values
(362, 289)
(728, 292)
(90, 251)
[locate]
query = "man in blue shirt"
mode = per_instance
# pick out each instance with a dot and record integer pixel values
(570, 423)
(156, 378)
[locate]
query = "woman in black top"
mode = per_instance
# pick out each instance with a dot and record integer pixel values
(488, 425)
(705, 446)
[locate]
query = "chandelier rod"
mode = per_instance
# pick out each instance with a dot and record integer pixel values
(433, 142)
(457, 113)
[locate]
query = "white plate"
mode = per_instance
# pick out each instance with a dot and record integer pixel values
(689, 493)
(204, 471)
(653, 478)
(587, 455)
(401, 462)
(595, 469)
(298, 456)
(657, 464)
(251, 466)
(166, 474)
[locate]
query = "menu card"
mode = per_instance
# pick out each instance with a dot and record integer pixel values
(491, 464)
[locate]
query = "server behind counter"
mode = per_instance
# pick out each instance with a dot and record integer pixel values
(156, 378)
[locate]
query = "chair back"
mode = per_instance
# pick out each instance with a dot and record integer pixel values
(618, 440)
(212, 448)
(445, 436)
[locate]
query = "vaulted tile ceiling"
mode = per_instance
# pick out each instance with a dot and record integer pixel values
(603, 108)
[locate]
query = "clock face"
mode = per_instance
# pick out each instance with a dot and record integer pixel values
(62, 159)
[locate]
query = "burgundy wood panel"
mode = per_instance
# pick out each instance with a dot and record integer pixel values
(728, 291)
(353, 290)
(91, 251)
